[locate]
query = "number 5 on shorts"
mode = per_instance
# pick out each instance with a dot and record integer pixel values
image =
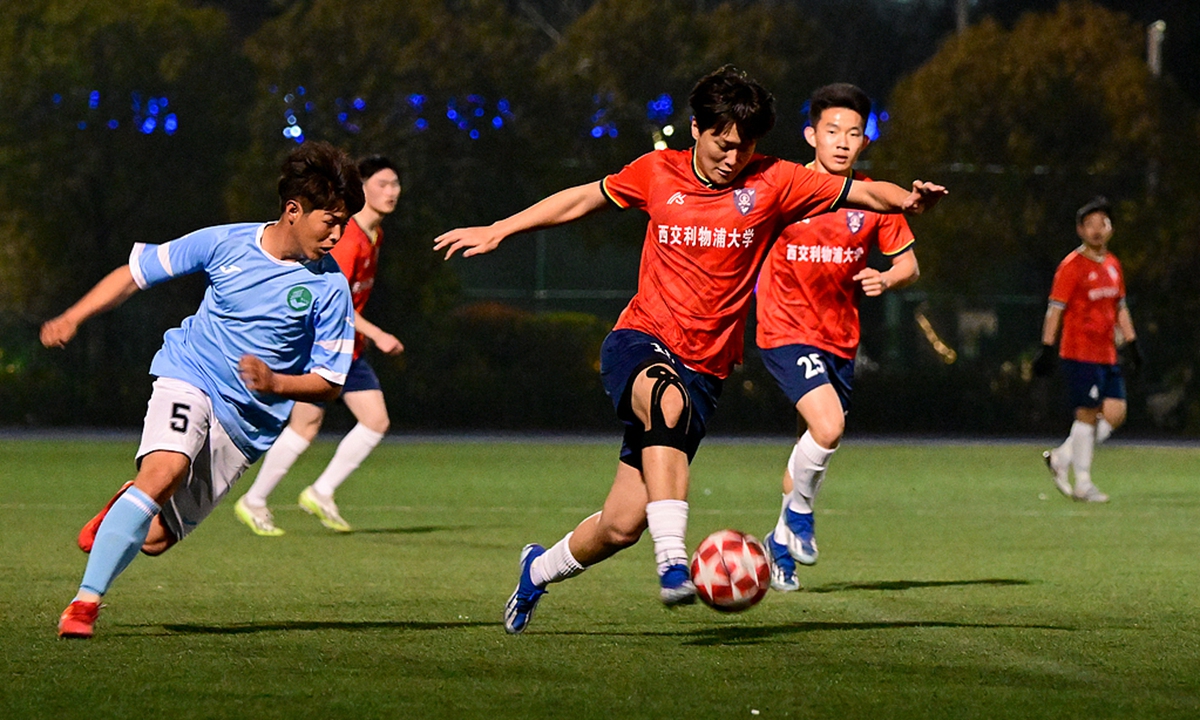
(812, 365)
(179, 421)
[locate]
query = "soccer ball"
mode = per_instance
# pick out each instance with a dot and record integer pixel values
(730, 571)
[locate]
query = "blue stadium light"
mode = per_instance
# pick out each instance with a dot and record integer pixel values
(82, 125)
(170, 124)
(416, 100)
(342, 117)
(612, 131)
(421, 123)
(463, 125)
(289, 98)
(474, 134)
(148, 125)
(162, 101)
(452, 114)
(872, 129)
(56, 98)
(272, 89)
(497, 122)
(475, 99)
(113, 124)
(309, 107)
(291, 119)
(884, 116)
(597, 132)
(152, 106)
(660, 108)
(353, 128)
(136, 101)
(300, 90)
(299, 139)
(359, 103)
(94, 99)
(479, 112)
(502, 105)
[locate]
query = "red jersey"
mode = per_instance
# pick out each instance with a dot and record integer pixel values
(1090, 294)
(358, 257)
(805, 291)
(704, 244)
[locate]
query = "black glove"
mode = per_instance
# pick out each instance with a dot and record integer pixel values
(1133, 357)
(1045, 361)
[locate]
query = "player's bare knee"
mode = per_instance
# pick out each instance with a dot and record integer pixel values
(827, 433)
(621, 534)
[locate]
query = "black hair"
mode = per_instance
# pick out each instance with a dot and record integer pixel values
(320, 176)
(368, 166)
(1095, 205)
(727, 96)
(838, 95)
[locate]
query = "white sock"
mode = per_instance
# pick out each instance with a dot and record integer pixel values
(667, 520)
(807, 466)
(278, 461)
(556, 564)
(1103, 430)
(1083, 438)
(351, 451)
(781, 528)
(1062, 453)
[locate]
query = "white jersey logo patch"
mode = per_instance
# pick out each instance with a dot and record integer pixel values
(230, 269)
(676, 199)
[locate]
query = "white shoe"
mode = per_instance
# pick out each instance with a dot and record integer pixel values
(258, 519)
(1058, 473)
(1090, 494)
(324, 508)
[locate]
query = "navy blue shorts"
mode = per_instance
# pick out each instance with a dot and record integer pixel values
(623, 355)
(1088, 384)
(361, 376)
(800, 369)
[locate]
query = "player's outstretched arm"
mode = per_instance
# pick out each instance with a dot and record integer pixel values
(309, 387)
(560, 208)
(385, 341)
(886, 197)
(114, 289)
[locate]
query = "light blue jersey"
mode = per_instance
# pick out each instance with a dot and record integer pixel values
(296, 317)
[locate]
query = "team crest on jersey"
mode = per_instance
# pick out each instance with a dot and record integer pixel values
(854, 220)
(743, 200)
(299, 298)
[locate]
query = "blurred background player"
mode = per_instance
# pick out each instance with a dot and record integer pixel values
(275, 325)
(1087, 300)
(714, 209)
(808, 328)
(357, 253)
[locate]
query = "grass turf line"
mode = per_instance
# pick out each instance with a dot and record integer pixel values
(954, 582)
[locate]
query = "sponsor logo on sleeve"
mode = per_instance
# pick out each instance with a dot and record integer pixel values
(299, 297)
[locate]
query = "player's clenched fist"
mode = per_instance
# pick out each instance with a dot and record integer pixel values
(255, 373)
(58, 332)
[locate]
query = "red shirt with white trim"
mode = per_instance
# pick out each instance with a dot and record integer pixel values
(705, 243)
(805, 292)
(1090, 294)
(358, 257)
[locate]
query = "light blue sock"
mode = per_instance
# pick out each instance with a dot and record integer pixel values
(118, 539)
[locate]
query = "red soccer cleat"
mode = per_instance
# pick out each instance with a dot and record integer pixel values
(87, 536)
(78, 619)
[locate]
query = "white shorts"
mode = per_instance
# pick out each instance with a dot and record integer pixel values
(179, 418)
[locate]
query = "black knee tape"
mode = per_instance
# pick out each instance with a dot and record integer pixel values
(657, 432)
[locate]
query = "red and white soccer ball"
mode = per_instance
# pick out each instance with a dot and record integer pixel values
(730, 571)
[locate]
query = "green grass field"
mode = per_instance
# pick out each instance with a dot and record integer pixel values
(953, 583)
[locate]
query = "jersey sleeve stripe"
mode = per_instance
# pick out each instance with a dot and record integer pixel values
(841, 198)
(607, 194)
(907, 246)
(336, 378)
(164, 257)
(337, 346)
(1058, 304)
(135, 266)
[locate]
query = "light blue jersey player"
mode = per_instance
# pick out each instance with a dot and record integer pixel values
(276, 325)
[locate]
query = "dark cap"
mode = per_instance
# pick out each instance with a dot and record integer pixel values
(1096, 204)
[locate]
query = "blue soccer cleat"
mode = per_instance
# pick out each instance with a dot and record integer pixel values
(783, 565)
(802, 540)
(677, 586)
(519, 610)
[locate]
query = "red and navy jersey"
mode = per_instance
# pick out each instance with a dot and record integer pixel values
(704, 245)
(358, 257)
(1090, 293)
(806, 295)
